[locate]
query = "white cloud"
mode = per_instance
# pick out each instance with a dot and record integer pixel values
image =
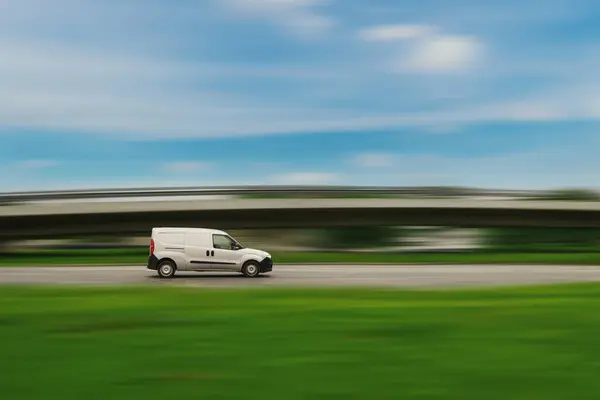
(571, 165)
(90, 89)
(428, 50)
(374, 160)
(386, 33)
(443, 53)
(574, 101)
(68, 63)
(51, 86)
(187, 167)
(305, 178)
(297, 16)
(64, 88)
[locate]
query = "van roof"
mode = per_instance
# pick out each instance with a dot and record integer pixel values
(174, 229)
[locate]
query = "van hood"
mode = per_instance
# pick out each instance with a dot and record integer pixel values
(256, 252)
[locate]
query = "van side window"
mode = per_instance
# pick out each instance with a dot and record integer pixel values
(222, 242)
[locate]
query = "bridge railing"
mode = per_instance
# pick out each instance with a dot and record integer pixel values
(21, 197)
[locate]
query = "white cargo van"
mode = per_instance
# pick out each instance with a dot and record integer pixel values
(202, 250)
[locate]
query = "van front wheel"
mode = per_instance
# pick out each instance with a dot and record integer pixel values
(166, 269)
(251, 269)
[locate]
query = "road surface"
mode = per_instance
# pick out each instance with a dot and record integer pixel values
(408, 276)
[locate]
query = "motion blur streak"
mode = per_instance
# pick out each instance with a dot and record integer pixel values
(416, 170)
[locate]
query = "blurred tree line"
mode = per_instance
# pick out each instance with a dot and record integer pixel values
(357, 237)
(493, 239)
(542, 239)
(569, 195)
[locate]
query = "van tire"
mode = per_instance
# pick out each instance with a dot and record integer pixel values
(166, 269)
(251, 269)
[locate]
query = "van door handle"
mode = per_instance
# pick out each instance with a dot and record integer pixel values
(207, 253)
(212, 253)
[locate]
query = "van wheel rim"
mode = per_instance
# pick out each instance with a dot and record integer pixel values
(252, 269)
(166, 269)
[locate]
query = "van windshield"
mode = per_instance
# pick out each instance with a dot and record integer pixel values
(235, 242)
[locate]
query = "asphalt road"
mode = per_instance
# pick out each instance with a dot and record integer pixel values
(413, 276)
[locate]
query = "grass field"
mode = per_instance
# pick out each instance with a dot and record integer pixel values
(139, 257)
(157, 343)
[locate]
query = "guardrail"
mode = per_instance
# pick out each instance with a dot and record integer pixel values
(19, 197)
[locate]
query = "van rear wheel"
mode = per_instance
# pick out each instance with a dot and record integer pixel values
(166, 269)
(251, 269)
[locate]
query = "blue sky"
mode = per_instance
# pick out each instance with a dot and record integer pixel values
(124, 93)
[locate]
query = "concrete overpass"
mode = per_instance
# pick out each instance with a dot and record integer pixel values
(42, 220)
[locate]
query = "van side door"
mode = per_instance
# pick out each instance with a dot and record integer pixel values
(198, 251)
(225, 257)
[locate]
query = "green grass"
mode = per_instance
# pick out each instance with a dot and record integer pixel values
(139, 257)
(157, 343)
(74, 257)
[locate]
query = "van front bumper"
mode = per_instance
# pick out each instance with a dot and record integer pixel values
(266, 265)
(152, 262)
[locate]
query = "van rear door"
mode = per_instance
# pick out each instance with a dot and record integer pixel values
(169, 241)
